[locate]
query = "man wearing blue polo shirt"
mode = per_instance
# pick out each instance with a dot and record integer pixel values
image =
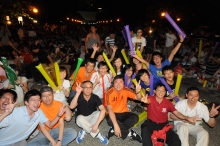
(17, 126)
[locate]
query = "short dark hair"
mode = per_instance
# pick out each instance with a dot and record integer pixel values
(157, 54)
(91, 60)
(118, 77)
(191, 89)
(46, 89)
(102, 63)
(62, 68)
(97, 55)
(87, 81)
(141, 72)
(30, 93)
(166, 68)
(11, 92)
(160, 85)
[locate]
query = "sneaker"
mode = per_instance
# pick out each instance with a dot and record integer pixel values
(80, 136)
(110, 133)
(102, 139)
(136, 136)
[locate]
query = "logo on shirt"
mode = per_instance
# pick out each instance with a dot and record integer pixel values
(159, 73)
(164, 110)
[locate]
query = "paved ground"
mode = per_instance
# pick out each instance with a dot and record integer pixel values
(211, 95)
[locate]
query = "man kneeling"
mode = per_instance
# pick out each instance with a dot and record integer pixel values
(88, 118)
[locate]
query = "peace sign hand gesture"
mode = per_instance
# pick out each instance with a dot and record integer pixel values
(78, 88)
(214, 111)
(138, 87)
(10, 107)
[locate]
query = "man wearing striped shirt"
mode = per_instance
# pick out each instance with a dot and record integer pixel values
(110, 42)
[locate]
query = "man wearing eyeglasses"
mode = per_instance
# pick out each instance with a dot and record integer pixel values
(139, 42)
(88, 117)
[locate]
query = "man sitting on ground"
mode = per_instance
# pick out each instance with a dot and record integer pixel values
(51, 107)
(192, 107)
(88, 117)
(119, 118)
(16, 127)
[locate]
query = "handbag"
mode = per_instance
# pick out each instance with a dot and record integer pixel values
(158, 137)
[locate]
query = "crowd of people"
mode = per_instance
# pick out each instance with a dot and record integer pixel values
(100, 90)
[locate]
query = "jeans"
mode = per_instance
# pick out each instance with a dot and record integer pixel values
(72, 94)
(69, 135)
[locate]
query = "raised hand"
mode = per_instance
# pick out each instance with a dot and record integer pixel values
(97, 79)
(138, 87)
(181, 38)
(214, 111)
(95, 47)
(78, 88)
(114, 48)
(62, 111)
(145, 99)
(10, 107)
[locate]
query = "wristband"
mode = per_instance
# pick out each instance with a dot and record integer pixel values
(59, 140)
(180, 42)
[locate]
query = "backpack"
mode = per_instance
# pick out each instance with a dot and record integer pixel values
(158, 137)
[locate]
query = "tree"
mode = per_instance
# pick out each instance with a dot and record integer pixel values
(13, 9)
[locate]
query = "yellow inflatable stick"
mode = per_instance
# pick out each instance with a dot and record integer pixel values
(109, 64)
(46, 76)
(139, 55)
(178, 82)
(142, 116)
(125, 56)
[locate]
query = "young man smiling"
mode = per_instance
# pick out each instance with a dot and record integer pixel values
(157, 117)
(27, 118)
(51, 107)
(156, 69)
(192, 107)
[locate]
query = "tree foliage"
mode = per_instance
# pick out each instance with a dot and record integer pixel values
(13, 9)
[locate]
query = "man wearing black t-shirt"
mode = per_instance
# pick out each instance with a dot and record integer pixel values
(88, 117)
(168, 74)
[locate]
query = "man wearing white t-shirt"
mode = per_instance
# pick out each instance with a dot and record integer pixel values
(192, 107)
(169, 44)
(139, 42)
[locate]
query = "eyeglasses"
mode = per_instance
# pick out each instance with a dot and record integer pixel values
(87, 88)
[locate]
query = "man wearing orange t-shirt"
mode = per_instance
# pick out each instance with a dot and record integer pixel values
(51, 107)
(119, 117)
(84, 74)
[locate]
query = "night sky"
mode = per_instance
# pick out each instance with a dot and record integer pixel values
(192, 12)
